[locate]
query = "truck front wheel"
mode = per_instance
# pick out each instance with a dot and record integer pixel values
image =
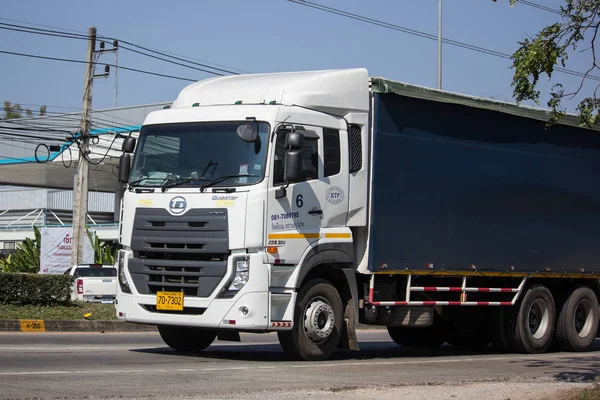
(186, 339)
(317, 322)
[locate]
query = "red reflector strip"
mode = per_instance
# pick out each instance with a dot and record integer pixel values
(229, 321)
(281, 324)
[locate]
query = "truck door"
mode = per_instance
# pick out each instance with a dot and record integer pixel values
(314, 206)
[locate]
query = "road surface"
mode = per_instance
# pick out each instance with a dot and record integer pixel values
(139, 365)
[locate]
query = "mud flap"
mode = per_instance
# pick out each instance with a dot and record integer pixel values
(348, 339)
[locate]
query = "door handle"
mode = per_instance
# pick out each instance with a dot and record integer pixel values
(316, 212)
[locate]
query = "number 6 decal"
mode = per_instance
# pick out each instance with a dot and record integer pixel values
(299, 201)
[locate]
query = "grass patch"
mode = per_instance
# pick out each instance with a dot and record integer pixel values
(590, 393)
(74, 311)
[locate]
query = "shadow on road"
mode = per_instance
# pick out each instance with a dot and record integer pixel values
(369, 351)
(583, 369)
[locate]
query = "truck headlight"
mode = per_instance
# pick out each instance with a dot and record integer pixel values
(241, 275)
(239, 280)
(123, 283)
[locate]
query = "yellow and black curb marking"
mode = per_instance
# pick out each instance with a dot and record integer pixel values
(32, 325)
(40, 326)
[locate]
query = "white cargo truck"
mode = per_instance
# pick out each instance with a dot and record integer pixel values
(307, 202)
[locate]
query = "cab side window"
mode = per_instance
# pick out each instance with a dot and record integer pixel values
(310, 160)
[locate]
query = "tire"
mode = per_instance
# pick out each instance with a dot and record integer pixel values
(501, 330)
(318, 322)
(578, 320)
(186, 339)
(430, 337)
(533, 327)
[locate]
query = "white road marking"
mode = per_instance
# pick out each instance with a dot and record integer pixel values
(339, 364)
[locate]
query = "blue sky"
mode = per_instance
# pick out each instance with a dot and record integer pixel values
(265, 36)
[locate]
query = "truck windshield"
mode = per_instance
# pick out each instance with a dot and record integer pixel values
(192, 154)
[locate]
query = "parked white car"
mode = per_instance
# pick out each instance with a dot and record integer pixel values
(94, 283)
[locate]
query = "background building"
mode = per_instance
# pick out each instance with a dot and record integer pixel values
(38, 160)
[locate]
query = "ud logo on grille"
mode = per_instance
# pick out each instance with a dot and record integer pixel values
(177, 205)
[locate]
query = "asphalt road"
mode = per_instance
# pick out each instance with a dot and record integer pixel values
(138, 365)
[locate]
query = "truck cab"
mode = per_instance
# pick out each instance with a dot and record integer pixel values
(242, 202)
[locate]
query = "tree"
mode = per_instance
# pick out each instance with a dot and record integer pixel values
(15, 111)
(104, 252)
(27, 257)
(12, 111)
(550, 47)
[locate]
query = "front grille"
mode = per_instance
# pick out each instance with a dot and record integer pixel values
(186, 310)
(186, 253)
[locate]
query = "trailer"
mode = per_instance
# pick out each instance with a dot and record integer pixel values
(306, 202)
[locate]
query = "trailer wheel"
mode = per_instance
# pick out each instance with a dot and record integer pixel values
(578, 320)
(534, 324)
(186, 339)
(431, 337)
(318, 322)
(501, 329)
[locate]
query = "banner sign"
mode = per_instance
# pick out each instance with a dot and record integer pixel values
(56, 249)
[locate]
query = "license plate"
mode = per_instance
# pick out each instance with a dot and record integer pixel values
(172, 301)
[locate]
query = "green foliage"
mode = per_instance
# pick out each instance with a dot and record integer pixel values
(35, 289)
(104, 252)
(74, 311)
(15, 111)
(27, 256)
(550, 47)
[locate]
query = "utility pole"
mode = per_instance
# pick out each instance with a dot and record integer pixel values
(439, 67)
(81, 185)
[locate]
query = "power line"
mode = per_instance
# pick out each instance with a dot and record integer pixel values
(425, 35)
(48, 32)
(67, 36)
(169, 61)
(167, 53)
(539, 6)
(85, 62)
(45, 32)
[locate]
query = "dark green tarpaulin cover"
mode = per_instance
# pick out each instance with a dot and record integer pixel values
(382, 85)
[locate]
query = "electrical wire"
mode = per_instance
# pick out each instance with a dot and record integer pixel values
(425, 35)
(169, 61)
(171, 54)
(47, 32)
(86, 62)
(539, 6)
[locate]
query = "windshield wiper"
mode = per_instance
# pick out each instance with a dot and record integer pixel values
(224, 178)
(171, 183)
(137, 182)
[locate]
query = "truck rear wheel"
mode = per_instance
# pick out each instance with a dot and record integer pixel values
(431, 337)
(578, 320)
(186, 339)
(317, 322)
(534, 325)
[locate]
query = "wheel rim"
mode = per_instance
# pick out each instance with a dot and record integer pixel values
(538, 319)
(318, 320)
(583, 318)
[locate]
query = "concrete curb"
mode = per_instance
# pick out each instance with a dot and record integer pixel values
(15, 325)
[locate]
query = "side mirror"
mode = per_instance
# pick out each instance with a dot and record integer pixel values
(128, 145)
(124, 167)
(292, 171)
(248, 132)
